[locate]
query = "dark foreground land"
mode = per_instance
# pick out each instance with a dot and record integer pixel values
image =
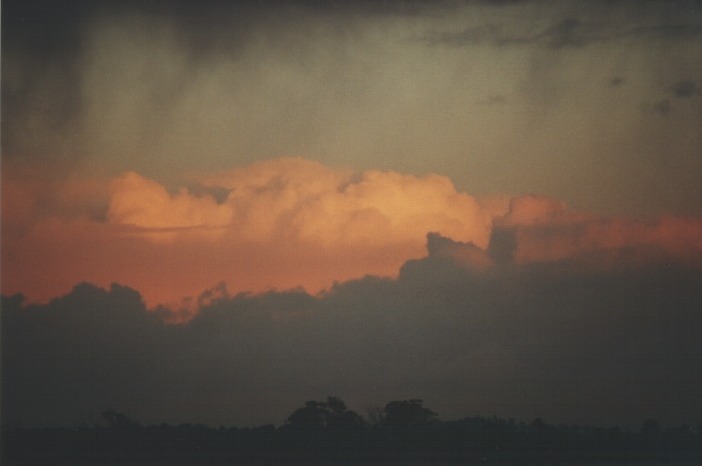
(404, 432)
(448, 443)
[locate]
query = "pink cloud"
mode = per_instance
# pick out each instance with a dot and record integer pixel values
(288, 223)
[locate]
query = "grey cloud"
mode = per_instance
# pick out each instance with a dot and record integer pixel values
(503, 244)
(167, 87)
(685, 88)
(469, 36)
(578, 26)
(662, 107)
(66, 359)
(109, 80)
(545, 340)
(495, 99)
(667, 31)
(569, 32)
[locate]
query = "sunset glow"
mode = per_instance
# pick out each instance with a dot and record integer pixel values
(288, 223)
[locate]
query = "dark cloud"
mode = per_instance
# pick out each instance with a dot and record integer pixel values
(667, 31)
(496, 99)
(503, 245)
(685, 88)
(46, 27)
(54, 54)
(579, 26)
(41, 78)
(165, 87)
(568, 32)
(547, 340)
(662, 107)
(66, 359)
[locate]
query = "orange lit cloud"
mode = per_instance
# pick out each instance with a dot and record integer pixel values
(147, 205)
(545, 231)
(309, 202)
(285, 223)
(288, 223)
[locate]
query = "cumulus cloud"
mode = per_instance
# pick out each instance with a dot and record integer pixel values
(320, 204)
(292, 222)
(137, 201)
(467, 254)
(282, 223)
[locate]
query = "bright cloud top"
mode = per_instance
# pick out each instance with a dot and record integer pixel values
(135, 200)
(290, 222)
(299, 200)
(309, 202)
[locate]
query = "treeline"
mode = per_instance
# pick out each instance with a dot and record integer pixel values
(328, 431)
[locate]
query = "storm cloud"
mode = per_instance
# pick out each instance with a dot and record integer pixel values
(605, 346)
(164, 88)
(490, 205)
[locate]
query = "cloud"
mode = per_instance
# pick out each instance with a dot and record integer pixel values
(535, 210)
(685, 88)
(73, 80)
(291, 222)
(683, 30)
(315, 203)
(544, 230)
(662, 107)
(137, 201)
(570, 345)
(467, 254)
(31, 193)
(231, 84)
(567, 32)
(574, 26)
(282, 223)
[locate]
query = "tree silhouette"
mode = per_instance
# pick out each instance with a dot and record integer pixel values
(650, 427)
(311, 417)
(538, 425)
(375, 416)
(332, 414)
(339, 417)
(408, 414)
(408, 433)
(119, 421)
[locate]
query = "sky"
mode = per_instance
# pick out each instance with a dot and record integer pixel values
(212, 212)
